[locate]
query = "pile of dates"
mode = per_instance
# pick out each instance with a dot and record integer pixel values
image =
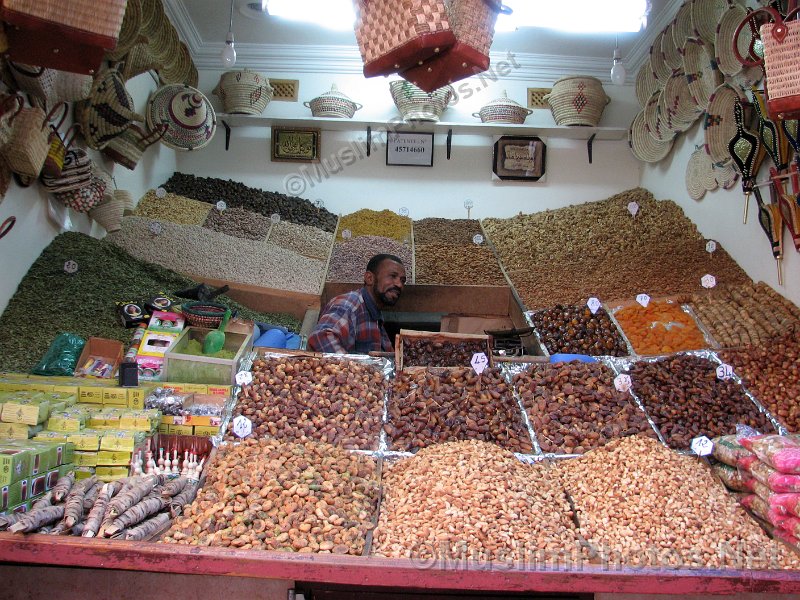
(575, 330)
(436, 352)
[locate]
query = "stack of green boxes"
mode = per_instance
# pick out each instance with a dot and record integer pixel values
(29, 469)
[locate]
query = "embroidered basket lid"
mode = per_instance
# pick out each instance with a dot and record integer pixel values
(188, 114)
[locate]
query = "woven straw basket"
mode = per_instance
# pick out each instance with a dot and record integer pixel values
(244, 91)
(577, 100)
(333, 104)
(203, 314)
(417, 105)
(109, 213)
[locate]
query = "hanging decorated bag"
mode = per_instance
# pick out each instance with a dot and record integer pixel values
(76, 172)
(37, 82)
(9, 109)
(109, 110)
(30, 139)
(71, 35)
(127, 148)
(54, 163)
(472, 22)
(393, 36)
(780, 38)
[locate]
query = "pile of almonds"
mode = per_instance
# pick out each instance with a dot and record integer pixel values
(685, 400)
(269, 495)
(448, 264)
(640, 504)
(473, 501)
(308, 398)
(574, 407)
(431, 406)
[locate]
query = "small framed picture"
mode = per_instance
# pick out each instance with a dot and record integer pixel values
(409, 149)
(293, 144)
(519, 158)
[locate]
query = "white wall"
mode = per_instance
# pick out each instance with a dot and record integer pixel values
(33, 230)
(719, 216)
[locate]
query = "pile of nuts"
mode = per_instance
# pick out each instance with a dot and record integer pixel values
(685, 400)
(440, 352)
(349, 258)
(268, 495)
(307, 398)
(303, 239)
(446, 264)
(472, 501)
(444, 405)
(383, 223)
(575, 330)
(239, 222)
(640, 504)
(172, 208)
(771, 372)
(745, 314)
(574, 407)
(660, 328)
(457, 232)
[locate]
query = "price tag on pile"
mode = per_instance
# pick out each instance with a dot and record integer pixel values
(708, 281)
(319, 204)
(403, 211)
(622, 382)
(161, 193)
(221, 206)
(711, 246)
(633, 208)
(479, 362)
(346, 234)
(244, 378)
(594, 305)
(242, 426)
(275, 218)
(468, 204)
(724, 372)
(477, 239)
(71, 267)
(702, 446)
(643, 299)
(155, 228)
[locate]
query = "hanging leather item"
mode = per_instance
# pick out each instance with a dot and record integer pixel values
(771, 136)
(747, 154)
(769, 217)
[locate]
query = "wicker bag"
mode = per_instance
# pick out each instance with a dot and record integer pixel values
(76, 172)
(473, 24)
(109, 212)
(244, 92)
(84, 198)
(203, 314)
(577, 100)
(393, 36)
(27, 149)
(9, 109)
(781, 50)
(37, 82)
(127, 148)
(54, 163)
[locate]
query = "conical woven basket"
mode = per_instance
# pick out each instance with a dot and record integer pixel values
(109, 213)
(577, 100)
(128, 203)
(245, 91)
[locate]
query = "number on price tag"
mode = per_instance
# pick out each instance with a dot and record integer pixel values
(347, 234)
(221, 206)
(708, 281)
(477, 239)
(594, 305)
(244, 378)
(319, 203)
(724, 372)
(275, 218)
(155, 228)
(633, 208)
(468, 204)
(643, 299)
(161, 192)
(711, 246)
(403, 211)
(242, 426)
(622, 382)
(70, 267)
(702, 446)
(479, 362)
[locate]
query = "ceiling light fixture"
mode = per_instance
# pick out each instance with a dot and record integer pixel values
(618, 72)
(585, 16)
(228, 54)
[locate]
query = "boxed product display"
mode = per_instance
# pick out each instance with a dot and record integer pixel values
(15, 464)
(157, 343)
(167, 322)
(185, 362)
(426, 349)
(151, 368)
(100, 358)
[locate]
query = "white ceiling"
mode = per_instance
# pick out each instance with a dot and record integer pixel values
(269, 43)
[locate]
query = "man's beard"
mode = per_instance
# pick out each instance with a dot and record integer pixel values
(385, 300)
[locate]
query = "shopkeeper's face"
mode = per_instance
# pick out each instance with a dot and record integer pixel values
(387, 284)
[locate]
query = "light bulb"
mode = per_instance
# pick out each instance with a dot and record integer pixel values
(618, 72)
(228, 54)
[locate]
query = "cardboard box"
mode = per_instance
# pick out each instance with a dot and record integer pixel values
(113, 458)
(136, 398)
(122, 440)
(15, 464)
(180, 430)
(18, 431)
(203, 400)
(116, 396)
(156, 343)
(111, 473)
(43, 456)
(140, 420)
(87, 440)
(13, 494)
(85, 459)
(108, 351)
(68, 420)
(206, 431)
(189, 368)
(84, 472)
(166, 322)
(163, 428)
(151, 368)
(90, 394)
(484, 341)
(28, 410)
(65, 468)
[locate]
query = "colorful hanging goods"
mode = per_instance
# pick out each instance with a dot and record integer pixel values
(54, 163)
(747, 154)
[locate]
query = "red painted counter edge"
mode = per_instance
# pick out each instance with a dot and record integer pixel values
(382, 572)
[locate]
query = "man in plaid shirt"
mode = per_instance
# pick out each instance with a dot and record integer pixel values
(352, 322)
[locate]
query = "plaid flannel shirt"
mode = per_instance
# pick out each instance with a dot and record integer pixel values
(350, 323)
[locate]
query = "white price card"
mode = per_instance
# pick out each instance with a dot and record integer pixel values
(633, 208)
(242, 426)
(319, 203)
(708, 281)
(594, 305)
(724, 372)
(221, 206)
(477, 239)
(244, 378)
(479, 362)
(711, 246)
(155, 228)
(643, 299)
(468, 204)
(70, 267)
(403, 212)
(622, 382)
(347, 234)
(161, 193)
(702, 446)
(275, 218)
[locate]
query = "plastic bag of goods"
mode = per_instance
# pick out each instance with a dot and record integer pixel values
(731, 477)
(728, 450)
(788, 504)
(781, 452)
(783, 483)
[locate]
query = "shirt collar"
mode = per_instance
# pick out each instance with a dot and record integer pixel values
(372, 308)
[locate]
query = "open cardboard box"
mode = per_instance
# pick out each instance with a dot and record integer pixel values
(110, 351)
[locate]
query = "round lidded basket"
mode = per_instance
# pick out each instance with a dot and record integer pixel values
(203, 314)
(415, 104)
(188, 114)
(333, 104)
(577, 100)
(503, 110)
(244, 92)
